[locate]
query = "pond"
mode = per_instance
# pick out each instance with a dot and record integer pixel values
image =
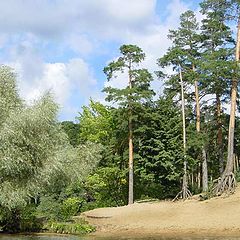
(59, 237)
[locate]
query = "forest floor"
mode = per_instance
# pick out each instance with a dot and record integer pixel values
(219, 216)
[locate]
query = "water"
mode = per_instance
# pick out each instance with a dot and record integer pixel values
(40, 237)
(59, 237)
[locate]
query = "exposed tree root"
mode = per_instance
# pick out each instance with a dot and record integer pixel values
(183, 194)
(225, 184)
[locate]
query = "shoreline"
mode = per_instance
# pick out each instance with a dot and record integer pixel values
(168, 234)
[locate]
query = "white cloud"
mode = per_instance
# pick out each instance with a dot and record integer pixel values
(154, 42)
(62, 79)
(84, 27)
(81, 43)
(54, 18)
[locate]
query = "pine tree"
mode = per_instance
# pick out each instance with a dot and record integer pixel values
(130, 98)
(227, 181)
(185, 53)
(216, 64)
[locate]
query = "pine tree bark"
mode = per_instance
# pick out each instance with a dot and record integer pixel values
(130, 194)
(204, 171)
(219, 135)
(130, 145)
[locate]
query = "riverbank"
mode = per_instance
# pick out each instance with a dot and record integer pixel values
(215, 217)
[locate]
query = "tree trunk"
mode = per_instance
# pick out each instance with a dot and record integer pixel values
(130, 193)
(204, 171)
(130, 144)
(199, 176)
(184, 193)
(198, 120)
(198, 128)
(184, 132)
(219, 135)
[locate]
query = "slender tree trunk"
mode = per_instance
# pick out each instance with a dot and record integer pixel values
(219, 135)
(130, 193)
(198, 128)
(184, 193)
(198, 121)
(204, 171)
(184, 126)
(130, 144)
(185, 190)
(199, 176)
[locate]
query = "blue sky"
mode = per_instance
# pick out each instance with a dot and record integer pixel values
(63, 45)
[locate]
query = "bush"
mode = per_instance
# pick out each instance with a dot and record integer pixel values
(49, 208)
(20, 220)
(108, 185)
(71, 207)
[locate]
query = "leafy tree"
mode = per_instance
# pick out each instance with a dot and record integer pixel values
(30, 142)
(72, 130)
(159, 155)
(9, 97)
(34, 151)
(96, 123)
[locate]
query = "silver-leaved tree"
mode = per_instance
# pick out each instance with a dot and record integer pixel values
(33, 147)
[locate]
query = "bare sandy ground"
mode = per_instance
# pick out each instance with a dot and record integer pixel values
(217, 216)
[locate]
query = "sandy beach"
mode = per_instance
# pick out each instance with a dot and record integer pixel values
(218, 216)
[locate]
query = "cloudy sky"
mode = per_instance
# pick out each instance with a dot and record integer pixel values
(63, 45)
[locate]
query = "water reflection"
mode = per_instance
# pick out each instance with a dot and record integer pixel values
(40, 237)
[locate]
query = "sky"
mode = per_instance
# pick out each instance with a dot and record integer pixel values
(63, 45)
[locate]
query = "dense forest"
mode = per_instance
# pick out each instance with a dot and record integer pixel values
(140, 145)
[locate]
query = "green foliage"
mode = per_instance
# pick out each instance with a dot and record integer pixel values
(96, 123)
(108, 185)
(69, 228)
(72, 130)
(9, 97)
(49, 208)
(160, 154)
(130, 56)
(52, 208)
(31, 142)
(71, 207)
(20, 220)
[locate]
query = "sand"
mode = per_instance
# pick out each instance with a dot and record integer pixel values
(218, 216)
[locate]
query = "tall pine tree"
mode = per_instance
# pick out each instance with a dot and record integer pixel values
(133, 96)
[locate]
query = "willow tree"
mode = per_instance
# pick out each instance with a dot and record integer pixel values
(9, 97)
(129, 98)
(31, 143)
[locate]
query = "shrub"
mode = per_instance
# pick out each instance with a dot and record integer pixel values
(70, 207)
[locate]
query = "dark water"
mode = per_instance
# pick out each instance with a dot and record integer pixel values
(59, 237)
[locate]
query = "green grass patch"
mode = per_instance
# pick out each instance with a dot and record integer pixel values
(69, 228)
